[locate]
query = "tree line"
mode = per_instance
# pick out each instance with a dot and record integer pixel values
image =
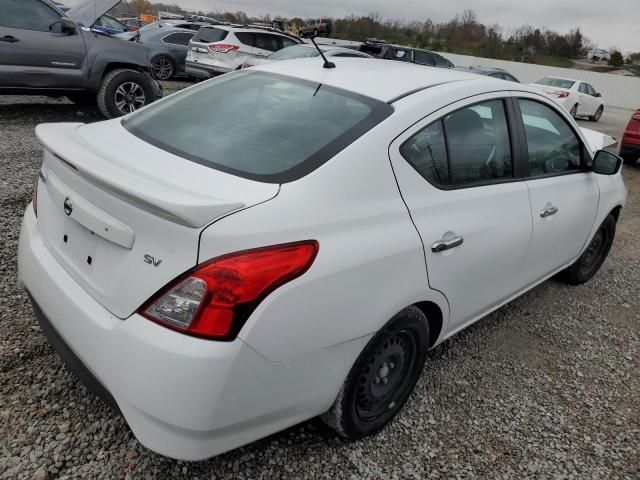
(463, 34)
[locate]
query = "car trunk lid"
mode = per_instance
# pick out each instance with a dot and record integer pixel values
(123, 217)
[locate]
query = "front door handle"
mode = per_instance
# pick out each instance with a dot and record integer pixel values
(548, 211)
(442, 245)
(9, 39)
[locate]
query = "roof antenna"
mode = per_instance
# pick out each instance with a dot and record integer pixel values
(327, 63)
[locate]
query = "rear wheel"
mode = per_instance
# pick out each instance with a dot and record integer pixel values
(596, 117)
(382, 378)
(574, 111)
(163, 67)
(124, 91)
(594, 256)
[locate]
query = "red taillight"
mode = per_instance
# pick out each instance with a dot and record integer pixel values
(216, 298)
(223, 48)
(561, 94)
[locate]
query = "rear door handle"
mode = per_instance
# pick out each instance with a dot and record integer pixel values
(9, 39)
(442, 245)
(547, 212)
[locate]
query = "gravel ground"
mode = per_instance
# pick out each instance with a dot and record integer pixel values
(546, 387)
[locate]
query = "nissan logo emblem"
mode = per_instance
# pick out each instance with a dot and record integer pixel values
(68, 208)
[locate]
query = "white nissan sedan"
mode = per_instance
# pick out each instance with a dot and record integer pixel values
(579, 98)
(290, 240)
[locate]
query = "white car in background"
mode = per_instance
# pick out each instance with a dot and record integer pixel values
(219, 49)
(289, 240)
(307, 51)
(578, 97)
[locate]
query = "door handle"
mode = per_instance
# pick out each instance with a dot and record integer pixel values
(442, 245)
(9, 39)
(547, 212)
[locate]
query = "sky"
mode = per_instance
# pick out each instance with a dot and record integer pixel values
(614, 23)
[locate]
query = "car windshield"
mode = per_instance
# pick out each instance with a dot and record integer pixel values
(556, 82)
(258, 125)
(297, 51)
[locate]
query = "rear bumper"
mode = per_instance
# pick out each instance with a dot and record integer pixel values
(203, 71)
(183, 397)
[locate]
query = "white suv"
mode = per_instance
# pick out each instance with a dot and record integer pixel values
(222, 49)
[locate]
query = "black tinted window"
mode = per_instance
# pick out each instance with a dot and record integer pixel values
(466, 147)
(398, 54)
(28, 15)
(423, 58)
(287, 42)
(269, 42)
(179, 38)
(257, 125)
(210, 35)
(246, 38)
(440, 61)
(427, 152)
(552, 145)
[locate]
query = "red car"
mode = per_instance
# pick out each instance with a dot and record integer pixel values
(630, 145)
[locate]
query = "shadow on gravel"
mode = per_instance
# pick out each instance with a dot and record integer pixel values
(49, 112)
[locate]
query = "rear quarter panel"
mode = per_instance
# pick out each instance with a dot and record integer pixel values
(370, 264)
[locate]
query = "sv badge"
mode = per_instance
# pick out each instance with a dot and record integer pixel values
(152, 261)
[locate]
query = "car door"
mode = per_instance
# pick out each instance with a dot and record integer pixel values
(33, 50)
(563, 192)
(595, 100)
(457, 173)
(585, 101)
(177, 43)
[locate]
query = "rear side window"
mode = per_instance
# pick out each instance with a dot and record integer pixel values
(423, 58)
(246, 37)
(258, 125)
(469, 146)
(27, 15)
(210, 35)
(440, 61)
(553, 147)
(273, 43)
(178, 38)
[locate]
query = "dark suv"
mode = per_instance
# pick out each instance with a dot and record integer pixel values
(382, 49)
(44, 51)
(315, 27)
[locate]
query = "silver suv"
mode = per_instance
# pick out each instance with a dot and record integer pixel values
(222, 49)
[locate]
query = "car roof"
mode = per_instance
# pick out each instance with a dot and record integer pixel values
(384, 81)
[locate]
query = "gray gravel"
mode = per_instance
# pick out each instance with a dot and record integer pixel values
(546, 387)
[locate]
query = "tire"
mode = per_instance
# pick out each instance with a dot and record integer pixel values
(598, 114)
(574, 111)
(162, 67)
(83, 99)
(113, 96)
(315, 32)
(594, 256)
(382, 377)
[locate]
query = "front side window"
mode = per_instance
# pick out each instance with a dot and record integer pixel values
(583, 89)
(553, 146)
(258, 125)
(27, 15)
(469, 146)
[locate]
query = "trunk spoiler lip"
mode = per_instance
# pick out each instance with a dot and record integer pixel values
(160, 198)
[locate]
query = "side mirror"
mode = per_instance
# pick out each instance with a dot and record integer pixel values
(598, 94)
(63, 26)
(606, 163)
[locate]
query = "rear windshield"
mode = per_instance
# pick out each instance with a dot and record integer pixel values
(210, 35)
(556, 82)
(258, 125)
(297, 51)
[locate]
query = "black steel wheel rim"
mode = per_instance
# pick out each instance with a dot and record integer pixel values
(574, 111)
(594, 252)
(386, 375)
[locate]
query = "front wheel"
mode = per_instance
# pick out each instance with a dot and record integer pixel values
(594, 256)
(124, 91)
(382, 377)
(596, 117)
